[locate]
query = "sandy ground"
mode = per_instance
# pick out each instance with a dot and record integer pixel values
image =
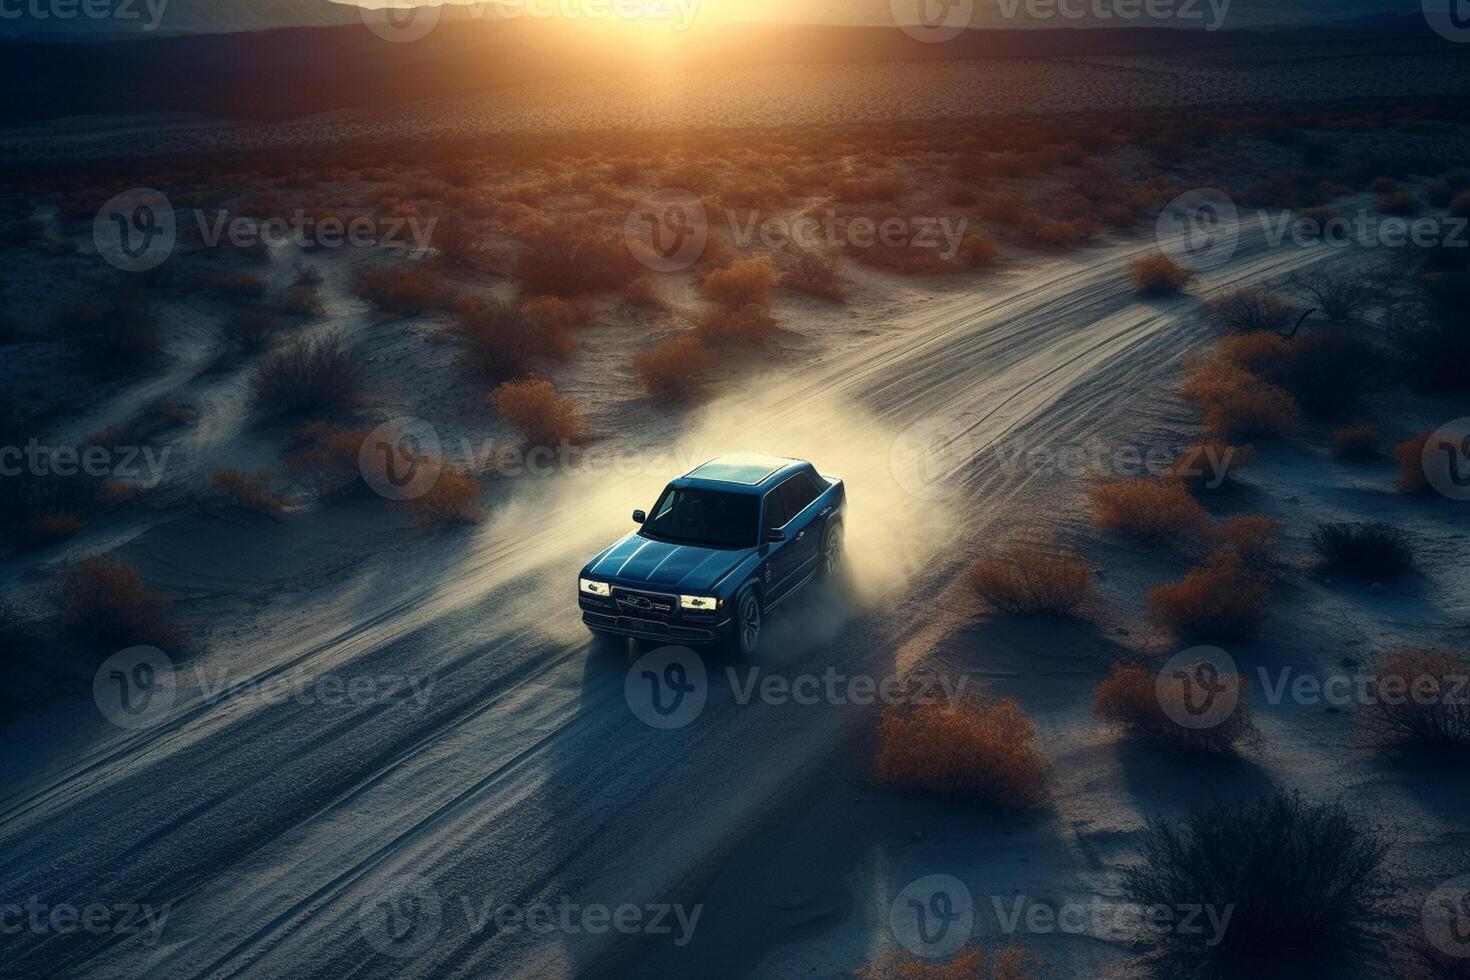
(517, 773)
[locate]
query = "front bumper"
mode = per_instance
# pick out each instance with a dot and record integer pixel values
(605, 616)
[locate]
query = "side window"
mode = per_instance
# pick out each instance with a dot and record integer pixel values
(777, 513)
(799, 493)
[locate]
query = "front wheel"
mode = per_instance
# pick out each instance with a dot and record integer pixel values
(832, 555)
(745, 634)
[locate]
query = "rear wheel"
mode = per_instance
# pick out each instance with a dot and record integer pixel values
(831, 557)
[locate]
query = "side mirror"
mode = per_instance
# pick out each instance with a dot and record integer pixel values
(639, 517)
(775, 534)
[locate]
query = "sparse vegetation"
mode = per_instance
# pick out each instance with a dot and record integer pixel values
(1027, 582)
(105, 601)
(1339, 295)
(719, 325)
(534, 407)
(500, 340)
(1250, 538)
(1251, 309)
(251, 491)
(744, 283)
(816, 274)
(672, 370)
(1133, 699)
(1220, 599)
(1238, 403)
(1363, 549)
(307, 376)
(453, 499)
(326, 456)
(575, 261)
(1147, 508)
(1298, 876)
(967, 749)
(1421, 696)
(969, 963)
(1159, 274)
(404, 292)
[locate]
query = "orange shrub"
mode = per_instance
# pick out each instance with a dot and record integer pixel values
(1261, 352)
(1157, 273)
(453, 499)
(743, 283)
(1355, 442)
(534, 407)
(557, 314)
(1423, 696)
(1026, 581)
(969, 749)
(575, 261)
(1146, 508)
(817, 275)
(1252, 538)
(501, 340)
(403, 292)
(977, 251)
(1409, 454)
(671, 370)
(1134, 701)
(105, 600)
(327, 456)
(641, 292)
(725, 325)
(1221, 598)
(251, 492)
(968, 964)
(1236, 402)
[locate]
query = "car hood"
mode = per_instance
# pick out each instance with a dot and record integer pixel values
(637, 559)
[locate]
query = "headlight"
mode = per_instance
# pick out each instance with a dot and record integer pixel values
(595, 588)
(700, 602)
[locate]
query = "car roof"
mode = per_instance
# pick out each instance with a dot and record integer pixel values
(744, 470)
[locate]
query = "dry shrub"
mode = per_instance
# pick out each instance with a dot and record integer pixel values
(1134, 701)
(1366, 549)
(1259, 352)
(721, 325)
(671, 371)
(1252, 538)
(1339, 295)
(533, 406)
(402, 292)
(1355, 442)
(453, 499)
(303, 301)
(501, 340)
(743, 283)
(326, 457)
(1251, 309)
(1147, 508)
(967, 749)
(253, 331)
(554, 313)
(104, 599)
(1399, 203)
(1209, 465)
(1157, 273)
(306, 376)
(1040, 231)
(970, 963)
(575, 261)
(1421, 696)
(865, 189)
(641, 292)
(1237, 402)
(1297, 876)
(977, 251)
(1222, 598)
(1027, 582)
(816, 274)
(1409, 454)
(251, 492)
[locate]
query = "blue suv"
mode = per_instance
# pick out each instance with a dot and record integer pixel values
(724, 545)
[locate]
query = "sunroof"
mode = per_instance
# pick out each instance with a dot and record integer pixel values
(748, 470)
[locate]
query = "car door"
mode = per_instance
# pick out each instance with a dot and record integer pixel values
(804, 529)
(781, 556)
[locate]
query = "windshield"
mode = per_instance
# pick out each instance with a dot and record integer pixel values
(707, 518)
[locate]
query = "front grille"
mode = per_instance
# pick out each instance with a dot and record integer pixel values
(648, 605)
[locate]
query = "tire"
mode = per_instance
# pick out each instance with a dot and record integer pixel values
(745, 633)
(829, 567)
